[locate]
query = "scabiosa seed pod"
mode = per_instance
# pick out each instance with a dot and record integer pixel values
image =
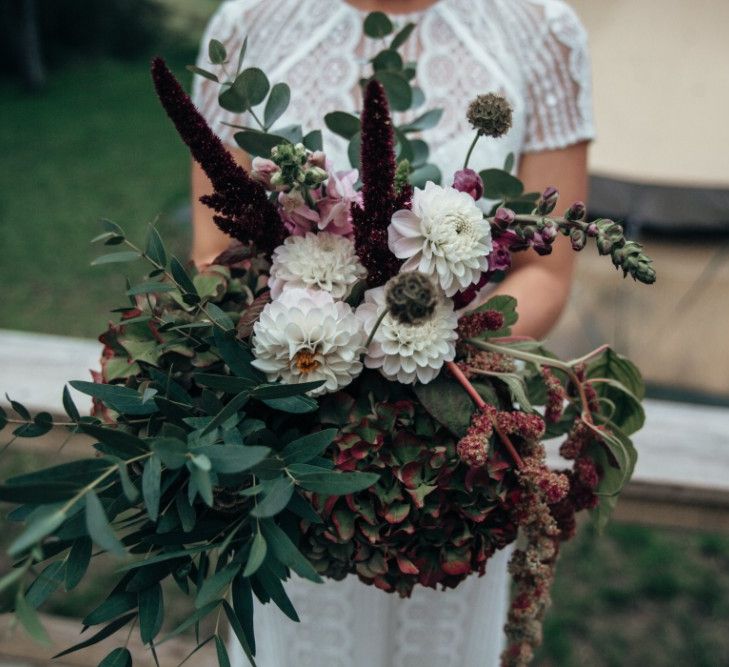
(547, 201)
(411, 297)
(490, 115)
(467, 180)
(576, 212)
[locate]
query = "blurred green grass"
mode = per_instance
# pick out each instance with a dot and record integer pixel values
(95, 143)
(639, 597)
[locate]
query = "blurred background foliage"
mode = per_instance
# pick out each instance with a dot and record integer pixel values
(82, 136)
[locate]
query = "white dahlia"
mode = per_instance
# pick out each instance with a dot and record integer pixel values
(322, 261)
(408, 352)
(444, 235)
(305, 336)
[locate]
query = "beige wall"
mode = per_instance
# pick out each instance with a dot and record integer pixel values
(661, 89)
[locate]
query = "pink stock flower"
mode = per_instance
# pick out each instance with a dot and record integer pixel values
(262, 169)
(298, 218)
(500, 257)
(336, 204)
(467, 180)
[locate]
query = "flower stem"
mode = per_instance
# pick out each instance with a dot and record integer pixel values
(374, 329)
(540, 360)
(470, 149)
(471, 390)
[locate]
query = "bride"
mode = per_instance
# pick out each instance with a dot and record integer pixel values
(528, 50)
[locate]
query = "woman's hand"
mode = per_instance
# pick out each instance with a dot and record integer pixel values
(207, 240)
(541, 285)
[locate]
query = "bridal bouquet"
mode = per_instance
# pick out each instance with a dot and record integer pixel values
(330, 397)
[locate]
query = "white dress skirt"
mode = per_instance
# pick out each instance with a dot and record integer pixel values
(535, 53)
(350, 624)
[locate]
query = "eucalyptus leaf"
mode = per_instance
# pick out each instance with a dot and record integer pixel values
(117, 397)
(377, 25)
(277, 494)
(231, 459)
(46, 583)
(257, 555)
(402, 36)
(333, 483)
(420, 176)
(119, 657)
(313, 140)
(156, 248)
(99, 636)
(425, 121)
(398, 90)
(277, 103)
(78, 562)
(151, 612)
(201, 72)
(43, 524)
(216, 52)
(308, 447)
(117, 258)
(500, 184)
(98, 526)
(344, 124)
(28, 618)
(213, 586)
(258, 143)
(151, 486)
(286, 552)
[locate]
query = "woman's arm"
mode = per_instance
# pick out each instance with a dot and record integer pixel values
(541, 285)
(207, 240)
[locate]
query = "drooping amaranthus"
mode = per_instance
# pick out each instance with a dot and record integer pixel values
(245, 213)
(379, 197)
(533, 565)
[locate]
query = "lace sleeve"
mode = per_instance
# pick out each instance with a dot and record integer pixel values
(558, 83)
(227, 26)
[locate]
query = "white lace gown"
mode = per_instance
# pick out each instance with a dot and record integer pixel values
(535, 53)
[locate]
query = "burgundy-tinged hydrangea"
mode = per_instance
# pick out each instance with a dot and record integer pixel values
(379, 199)
(245, 212)
(430, 520)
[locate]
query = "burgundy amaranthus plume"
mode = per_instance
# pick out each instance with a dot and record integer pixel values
(245, 212)
(379, 198)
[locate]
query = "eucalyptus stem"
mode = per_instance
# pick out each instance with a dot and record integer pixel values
(470, 149)
(92, 485)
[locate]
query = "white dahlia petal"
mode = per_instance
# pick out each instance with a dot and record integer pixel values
(408, 353)
(321, 261)
(444, 235)
(306, 336)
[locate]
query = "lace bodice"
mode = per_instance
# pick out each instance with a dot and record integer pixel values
(532, 51)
